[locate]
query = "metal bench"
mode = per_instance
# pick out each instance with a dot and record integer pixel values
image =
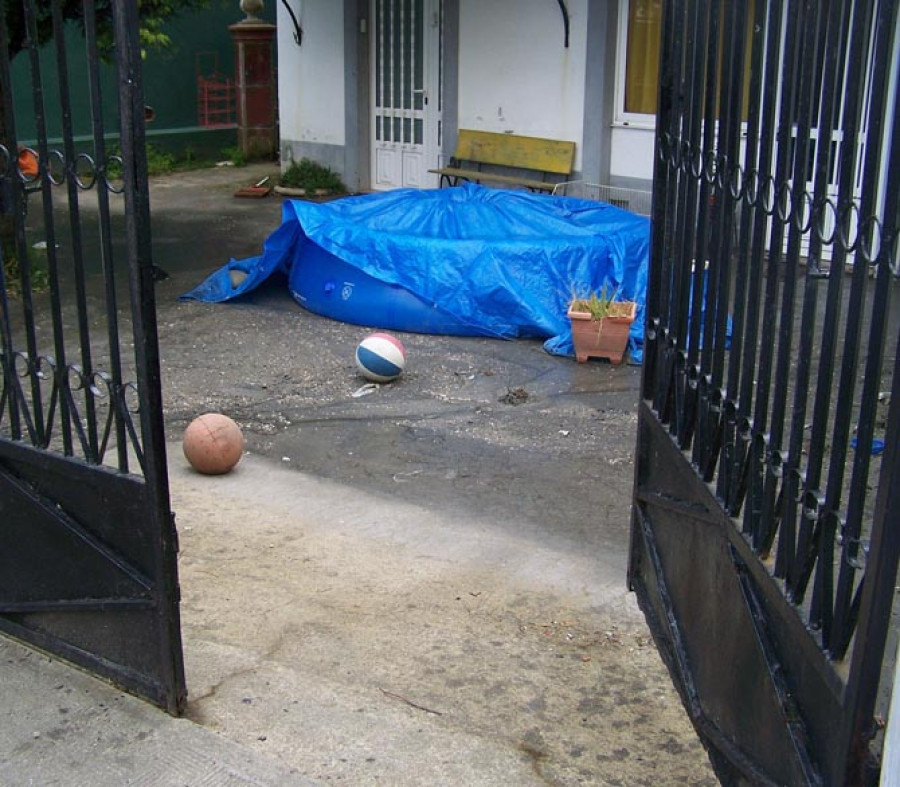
(509, 160)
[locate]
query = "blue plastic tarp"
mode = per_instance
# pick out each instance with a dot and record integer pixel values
(487, 262)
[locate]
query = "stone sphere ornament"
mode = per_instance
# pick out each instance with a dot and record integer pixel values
(252, 9)
(213, 444)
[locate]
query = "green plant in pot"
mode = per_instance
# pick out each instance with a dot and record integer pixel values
(600, 325)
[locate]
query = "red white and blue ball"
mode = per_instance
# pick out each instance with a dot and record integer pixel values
(381, 357)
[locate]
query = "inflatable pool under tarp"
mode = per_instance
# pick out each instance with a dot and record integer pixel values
(467, 261)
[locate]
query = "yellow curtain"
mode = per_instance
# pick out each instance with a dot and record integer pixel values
(642, 56)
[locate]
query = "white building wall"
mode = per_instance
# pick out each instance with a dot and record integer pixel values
(516, 75)
(631, 153)
(311, 77)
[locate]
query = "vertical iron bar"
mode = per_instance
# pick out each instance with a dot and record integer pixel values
(664, 395)
(877, 599)
(106, 247)
(822, 530)
(750, 395)
(677, 315)
(744, 306)
(727, 150)
(701, 133)
(690, 297)
(687, 244)
(75, 228)
(7, 379)
(59, 345)
(138, 240)
(807, 85)
(36, 423)
(761, 422)
(835, 50)
(661, 224)
(875, 137)
(705, 266)
(11, 188)
(707, 40)
(667, 341)
(706, 261)
(730, 107)
(823, 600)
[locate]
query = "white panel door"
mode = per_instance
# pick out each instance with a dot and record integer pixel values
(406, 92)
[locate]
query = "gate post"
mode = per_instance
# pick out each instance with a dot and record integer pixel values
(255, 82)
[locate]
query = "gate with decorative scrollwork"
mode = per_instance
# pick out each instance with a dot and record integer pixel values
(765, 534)
(87, 539)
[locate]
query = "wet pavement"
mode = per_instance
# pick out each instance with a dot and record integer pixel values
(471, 422)
(420, 585)
(480, 570)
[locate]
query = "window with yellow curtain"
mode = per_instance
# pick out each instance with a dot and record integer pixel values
(642, 55)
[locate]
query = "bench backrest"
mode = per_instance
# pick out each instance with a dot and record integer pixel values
(508, 150)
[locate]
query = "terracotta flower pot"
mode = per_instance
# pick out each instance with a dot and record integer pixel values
(603, 338)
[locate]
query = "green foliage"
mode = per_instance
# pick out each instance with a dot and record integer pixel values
(162, 162)
(153, 16)
(601, 305)
(12, 274)
(311, 176)
(236, 156)
(114, 168)
(159, 162)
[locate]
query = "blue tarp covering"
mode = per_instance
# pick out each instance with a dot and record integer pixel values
(467, 260)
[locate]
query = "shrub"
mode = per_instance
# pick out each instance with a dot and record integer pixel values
(311, 176)
(40, 278)
(159, 162)
(235, 156)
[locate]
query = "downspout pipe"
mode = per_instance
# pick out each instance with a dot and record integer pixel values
(565, 13)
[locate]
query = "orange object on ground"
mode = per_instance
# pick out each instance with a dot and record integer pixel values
(213, 443)
(256, 190)
(252, 191)
(28, 163)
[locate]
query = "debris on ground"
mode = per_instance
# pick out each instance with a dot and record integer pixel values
(514, 396)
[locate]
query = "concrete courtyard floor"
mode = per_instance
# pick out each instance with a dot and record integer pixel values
(424, 585)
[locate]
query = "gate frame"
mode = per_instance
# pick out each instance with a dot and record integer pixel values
(691, 473)
(130, 633)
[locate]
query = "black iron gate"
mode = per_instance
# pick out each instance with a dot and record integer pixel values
(87, 539)
(766, 535)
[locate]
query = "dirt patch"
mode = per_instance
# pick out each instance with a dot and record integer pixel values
(364, 641)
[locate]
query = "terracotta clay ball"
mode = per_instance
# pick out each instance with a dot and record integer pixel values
(213, 443)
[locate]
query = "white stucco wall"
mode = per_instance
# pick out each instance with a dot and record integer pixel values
(515, 74)
(311, 77)
(631, 152)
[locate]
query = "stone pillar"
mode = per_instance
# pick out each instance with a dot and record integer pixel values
(256, 90)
